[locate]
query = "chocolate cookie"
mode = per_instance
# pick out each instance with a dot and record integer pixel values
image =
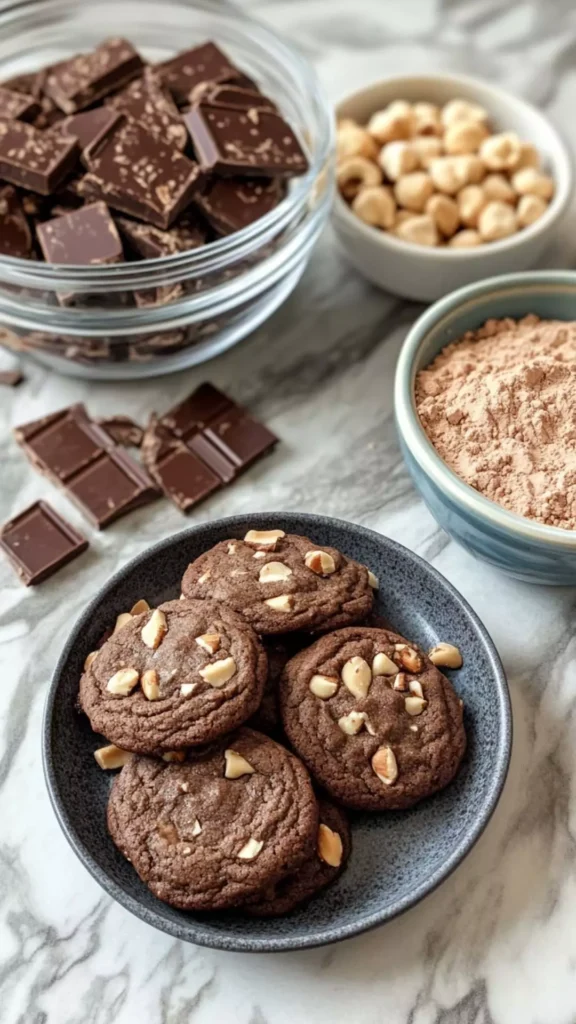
(377, 724)
(281, 582)
(213, 831)
(279, 650)
(323, 867)
(175, 677)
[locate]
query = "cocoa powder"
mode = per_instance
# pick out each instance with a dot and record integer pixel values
(499, 406)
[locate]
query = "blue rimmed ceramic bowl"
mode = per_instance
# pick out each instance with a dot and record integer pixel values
(520, 547)
(374, 888)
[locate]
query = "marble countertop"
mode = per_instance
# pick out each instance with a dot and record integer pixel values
(496, 944)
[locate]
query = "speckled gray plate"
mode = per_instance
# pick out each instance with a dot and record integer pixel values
(374, 888)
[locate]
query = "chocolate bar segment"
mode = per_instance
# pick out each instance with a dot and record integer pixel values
(136, 174)
(230, 204)
(89, 125)
(183, 477)
(80, 82)
(152, 243)
(123, 430)
(18, 105)
(227, 95)
(85, 237)
(240, 438)
(148, 103)
(235, 142)
(39, 541)
(205, 404)
(34, 159)
(15, 234)
(204, 63)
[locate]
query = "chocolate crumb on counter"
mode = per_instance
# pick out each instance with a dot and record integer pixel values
(39, 541)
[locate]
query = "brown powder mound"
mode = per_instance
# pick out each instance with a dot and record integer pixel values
(499, 406)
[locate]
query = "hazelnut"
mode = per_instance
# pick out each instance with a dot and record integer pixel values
(412, 191)
(149, 684)
(357, 676)
(323, 686)
(529, 156)
(382, 665)
(123, 682)
(356, 173)
(471, 201)
(320, 562)
(90, 659)
(464, 136)
(263, 540)
(529, 209)
(426, 118)
(353, 140)
(427, 148)
(466, 239)
(385, 766)
(529, 181)
(209, 642)
(274, 572)
(353, 723)
(409, 658)
(445, 656)
(448, 174)
(111, 757)
(415, 705)
(330, 848)
(217, 673)
(155, 630)
(251, 849)
(444, 213)
(397, 158)
(501, 152)
(497, 186)
(471, 168)
(122, 620)
(375, 206)
(282, 603)
(236, 765)
(373, 580)
(418, 230)
(140, 607)
(395, 122)
(497, 220)
(462, 110)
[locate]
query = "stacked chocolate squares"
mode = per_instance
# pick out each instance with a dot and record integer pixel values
(104, 158)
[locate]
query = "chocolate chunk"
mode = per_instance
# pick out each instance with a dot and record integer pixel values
(123, 430)
(240, 438)
(230, 204)
(151, 243)
(204, 63)
(148, 103)
(203, 406)
(17, 105)
(212, 456)
(80, 456)
(34, 159)
(15, 234)
(85, 237)
(137, 175)
(160, 296)
(183, 477)
(88, 126)
(80, 82)
(29, 82)
(216, 95)
(233, 141)
(39, 541)
(11, 378)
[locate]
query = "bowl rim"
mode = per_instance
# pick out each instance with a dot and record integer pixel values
(412, 432)
(562, 170)
(193, 931)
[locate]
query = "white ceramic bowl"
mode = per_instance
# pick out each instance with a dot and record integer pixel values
(419, 272)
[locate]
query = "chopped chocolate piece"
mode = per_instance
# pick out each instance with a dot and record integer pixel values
(70, 193)
(151, 105)
(212, 456)
(204, 63)
(161, 296)
(88, 126)
(30, 82)
(137, 175)
(233, 141)
(11, 378)
(216, 95)
(85, 237)
(80, 456)
(203, 406)
(123, 430)
(151, 243)
(49, 114)
(39, 541)
(240, 438)
(33, 85)
(80, 82)
(34, 159)
(15, 234)
(33, 205)
(183, 477)
(18, 105)
(230, 204)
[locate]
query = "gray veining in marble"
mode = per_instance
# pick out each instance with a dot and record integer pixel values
(497, 943)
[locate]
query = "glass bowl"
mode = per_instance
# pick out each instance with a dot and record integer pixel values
(216, 294)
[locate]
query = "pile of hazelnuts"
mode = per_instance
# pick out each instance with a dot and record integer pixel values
(439, 175)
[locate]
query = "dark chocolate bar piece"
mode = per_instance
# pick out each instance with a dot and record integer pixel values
(80, 456)
(84, 237)
(11, 378)
(123, 430)
(139, 176)
(34, 159)
(227, 95)
(80, 82)
(89, 125)
(39, 541)
(203, 406)
(149, 103)
(230, 204)
(204, 63)
(152, 243)
(240, 438)
(18, 105)
(235, 142)
(15, 234)
(183, 477)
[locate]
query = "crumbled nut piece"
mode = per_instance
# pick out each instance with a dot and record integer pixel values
(466, 239)
(236, 765)
(202, 579)
(283, 603)
(183, 787)
(320, 562)
(385, 766)
(353, 723)
(196, 828)
(122, 620)
(395, 122)
(448, 174)
(373, 580)
(384, 666)
(471, 201)
(427, 149)
(356, 173)
(529, 156)
(357, 675)
(415, 687)
(464, 137)
(415, 705)
(530, 208)
(412, 191)
(149, 684)
(274, 572)
(400, 682)
(497, 186)
(155, 630)
(111, 757)
(123, 682)
(418, 230)
(529, 181)
(259, 554)
(174, 755)
(263, 540)
(251, 849)
(444, 213)
(168, 831)
(445, 656)
(409, 658)
(330, 848)
(140, 607)
(501, 152)
(209, 642)
(187, 689)
(413, 728)
(462, 110)
(375, 206)
(427, 119)
(353, 140)
(497, 220)
(324, 686)
(90, 659)
(217, 673)
(231, 549)
(398, 158)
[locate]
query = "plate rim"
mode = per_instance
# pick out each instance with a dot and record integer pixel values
(193, 931)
